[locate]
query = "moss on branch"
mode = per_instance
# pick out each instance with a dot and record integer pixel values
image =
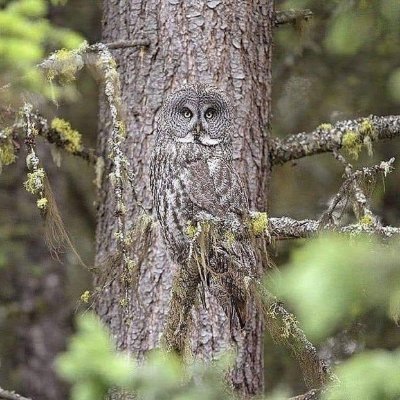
(351, 134)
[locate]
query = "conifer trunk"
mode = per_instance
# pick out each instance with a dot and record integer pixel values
(225, 43)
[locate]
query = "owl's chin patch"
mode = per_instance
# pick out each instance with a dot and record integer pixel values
(203, 139)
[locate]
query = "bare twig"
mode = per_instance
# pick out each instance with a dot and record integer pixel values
(11, 395)
(328, 138)
(352, 187)
(291, 16)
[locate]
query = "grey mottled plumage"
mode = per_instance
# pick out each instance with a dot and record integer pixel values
(193, 180)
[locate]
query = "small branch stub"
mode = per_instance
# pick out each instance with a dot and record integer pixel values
(291, 16)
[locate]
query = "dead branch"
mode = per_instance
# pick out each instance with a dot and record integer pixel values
(291, 16)
(327, 138)
(289, 228)
(284, 329)
(311, 395)
(11, 395)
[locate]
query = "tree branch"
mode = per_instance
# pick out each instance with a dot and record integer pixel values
(283, 328)
(289, 228)
(8, 395)
(54, 137)
(311, 395)
(327, 138)
(291, 16)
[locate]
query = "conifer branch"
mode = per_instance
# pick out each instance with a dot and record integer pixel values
(351, 135)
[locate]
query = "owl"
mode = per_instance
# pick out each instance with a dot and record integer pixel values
(198, 195)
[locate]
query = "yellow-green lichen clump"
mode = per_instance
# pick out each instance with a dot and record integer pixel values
(35, 182)
(7, 151)
(71, 137)
(259, 223)
(362, 134)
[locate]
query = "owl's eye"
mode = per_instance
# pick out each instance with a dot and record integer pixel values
(187, 113)
(209, 113)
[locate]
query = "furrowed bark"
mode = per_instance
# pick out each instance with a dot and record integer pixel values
(328, 138)
(214, 42)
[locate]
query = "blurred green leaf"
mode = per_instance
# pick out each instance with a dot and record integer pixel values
(333, 279)
(373, 375)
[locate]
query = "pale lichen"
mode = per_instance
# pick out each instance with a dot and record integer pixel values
(35, 182)
(69, 136)
(64, 64)
(42, 203)
(366, 220)
(325, 127)
(85, 296)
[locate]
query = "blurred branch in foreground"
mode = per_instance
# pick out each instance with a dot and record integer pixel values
(7, 395)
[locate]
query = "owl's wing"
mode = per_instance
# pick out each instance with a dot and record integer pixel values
(215, 188)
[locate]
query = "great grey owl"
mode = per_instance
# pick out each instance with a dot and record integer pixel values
(195, 188)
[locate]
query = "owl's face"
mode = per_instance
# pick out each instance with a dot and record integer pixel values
(197, 114)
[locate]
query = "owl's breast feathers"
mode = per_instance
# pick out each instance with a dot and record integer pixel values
(191, 184)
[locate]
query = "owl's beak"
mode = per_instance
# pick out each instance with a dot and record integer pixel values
(198, 128)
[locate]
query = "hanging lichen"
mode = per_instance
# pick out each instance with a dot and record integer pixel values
(36, 176)
(362, 134)
(71, 137)
(64, 64)
(35, 182)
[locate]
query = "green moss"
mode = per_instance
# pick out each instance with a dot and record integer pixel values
(258, 223)
(190, 230)
(42, 203)
(71, 137)
(367, 128)
(352, 143)
(35, 182)
(366, 220)
(64, 64)
(325, 127)
(85, 296)
(364, 134)
(229, 237)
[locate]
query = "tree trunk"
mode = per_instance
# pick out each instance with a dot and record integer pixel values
(224, 43)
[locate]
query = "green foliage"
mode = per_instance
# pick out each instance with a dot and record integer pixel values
(70, 136)
(93, 367)
(332, 280)
(373, 375)
(26, 35)
(91, 363)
